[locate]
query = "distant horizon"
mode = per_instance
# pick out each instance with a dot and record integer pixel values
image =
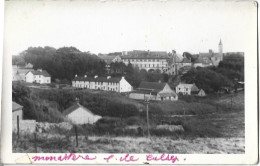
(128, 50)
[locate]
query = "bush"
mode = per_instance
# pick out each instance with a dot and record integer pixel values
(134, 120)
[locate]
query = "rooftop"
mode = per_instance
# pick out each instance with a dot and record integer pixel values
(38, 72)
(141, 54)
(75, 106)
(98, 79)
(16, 106)
(152, 85)
(193, 87)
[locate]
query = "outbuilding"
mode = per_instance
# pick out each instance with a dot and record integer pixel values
(154, 91)
(17, 112)
(78, 114)
(38, 76)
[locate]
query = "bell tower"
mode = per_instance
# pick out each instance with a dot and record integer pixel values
(220, 50)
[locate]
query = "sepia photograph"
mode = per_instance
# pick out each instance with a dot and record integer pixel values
(128, 77)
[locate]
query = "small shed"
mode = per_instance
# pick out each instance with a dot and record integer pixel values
(17, 112)
(78, 114)
(201, 93)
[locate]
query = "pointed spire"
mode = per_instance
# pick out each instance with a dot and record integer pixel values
(220, 43)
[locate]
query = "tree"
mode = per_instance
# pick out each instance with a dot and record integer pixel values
(206, 79)
(63, 63)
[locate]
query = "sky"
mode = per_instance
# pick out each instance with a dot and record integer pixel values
(112, 26)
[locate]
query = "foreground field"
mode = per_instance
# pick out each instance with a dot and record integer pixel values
(95, 144)
(211, 125)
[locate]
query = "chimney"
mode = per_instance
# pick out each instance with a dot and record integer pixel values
(108, 77)
(95, 76)
(210, 51)
(123, 77)
(76, 75)
(148, 52)
(40, 70)
(85, 76)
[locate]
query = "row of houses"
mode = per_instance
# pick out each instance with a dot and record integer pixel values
(151, 90)
(108, 83)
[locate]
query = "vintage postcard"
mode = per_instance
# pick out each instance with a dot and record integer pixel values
(129, 82)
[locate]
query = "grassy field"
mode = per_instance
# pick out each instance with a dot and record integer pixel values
(216, 126)
(95, 144)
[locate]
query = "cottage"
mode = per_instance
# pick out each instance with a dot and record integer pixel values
(38, 76)
(108, 83)
(154, 91)
(17, 112)
(187, 89)
(201, 93)
(77, 114)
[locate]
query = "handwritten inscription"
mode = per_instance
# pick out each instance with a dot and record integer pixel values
(129, 158)
(70, 156)
(162, 157)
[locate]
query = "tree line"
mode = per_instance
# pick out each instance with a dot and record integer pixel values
(212, 79)
(66, 62)
(62, 63)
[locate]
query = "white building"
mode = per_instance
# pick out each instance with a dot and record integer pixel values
(102, 83)
(77, 114)
(154, 91)
(187, 89)
(147, 60)
(38, 76)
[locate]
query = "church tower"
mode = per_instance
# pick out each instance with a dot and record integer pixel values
(220, 50)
